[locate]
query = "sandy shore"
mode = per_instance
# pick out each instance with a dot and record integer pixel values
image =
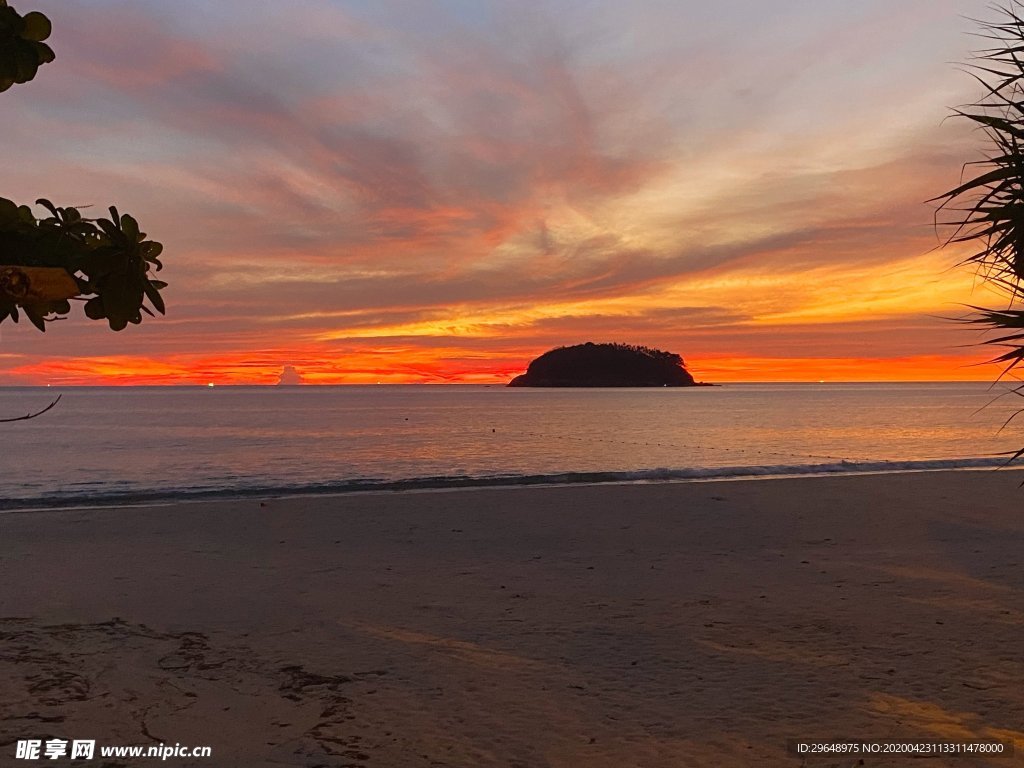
(700, 624)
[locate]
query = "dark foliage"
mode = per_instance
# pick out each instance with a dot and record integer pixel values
(109, 259)
(45, 263)
(22, 50)
(988, 211)
(605, 365)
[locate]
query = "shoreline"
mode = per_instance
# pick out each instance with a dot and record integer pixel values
(656, 625)
(360, 487)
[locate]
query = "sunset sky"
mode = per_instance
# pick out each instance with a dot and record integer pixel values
(440, 191)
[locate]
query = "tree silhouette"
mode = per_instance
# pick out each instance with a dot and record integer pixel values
(45, 263)
(988, 210)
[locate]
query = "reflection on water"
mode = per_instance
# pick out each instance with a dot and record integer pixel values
(103, 439)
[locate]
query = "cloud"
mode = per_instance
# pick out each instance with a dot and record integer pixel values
(486, 176)
(290, 376)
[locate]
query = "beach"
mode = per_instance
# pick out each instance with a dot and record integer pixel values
(661, 624)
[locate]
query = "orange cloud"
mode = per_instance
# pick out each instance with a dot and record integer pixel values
(440, 196)
(398, 364)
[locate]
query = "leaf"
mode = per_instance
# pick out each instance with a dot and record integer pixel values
(48, 206)
(151, 250)
(8, 213)
(32, 313)
(44, 53)
(130, 227)
(36, 27)
(94, 309)
(999, 174)
(154, 297)
(110, 229)
(8, 65)
(26, 63)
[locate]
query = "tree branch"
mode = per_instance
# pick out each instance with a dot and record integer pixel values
(33, 415)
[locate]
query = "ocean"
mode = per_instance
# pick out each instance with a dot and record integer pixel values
(120, 444)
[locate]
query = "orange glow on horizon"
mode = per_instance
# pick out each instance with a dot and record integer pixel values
(448, 366)
(834, 370)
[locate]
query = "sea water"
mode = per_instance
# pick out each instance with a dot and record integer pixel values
(140, 443)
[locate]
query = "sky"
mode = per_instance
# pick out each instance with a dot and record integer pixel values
(430, 192)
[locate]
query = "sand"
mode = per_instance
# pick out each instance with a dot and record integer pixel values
(685, 624)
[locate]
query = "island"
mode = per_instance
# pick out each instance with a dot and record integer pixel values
(606, 365)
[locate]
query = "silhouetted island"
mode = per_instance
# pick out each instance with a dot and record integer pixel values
(606, 365)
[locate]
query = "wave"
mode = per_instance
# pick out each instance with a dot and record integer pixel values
(108, 496)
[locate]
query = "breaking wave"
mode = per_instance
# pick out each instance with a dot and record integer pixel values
(93, 496)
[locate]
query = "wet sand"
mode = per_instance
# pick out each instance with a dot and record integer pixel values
(686, 624)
